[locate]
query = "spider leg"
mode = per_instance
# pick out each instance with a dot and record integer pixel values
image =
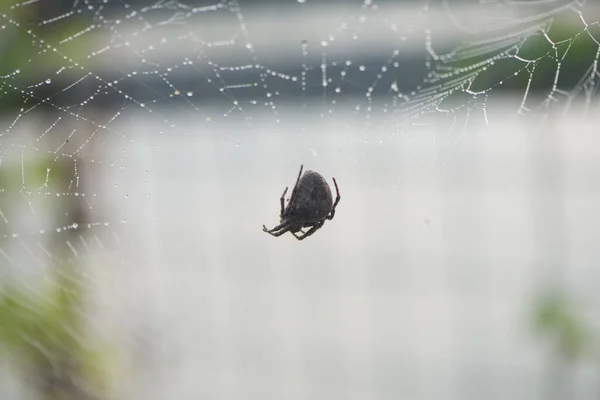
(282, 201)
(278, 227)
(302, 230)
(276, 234)
(312, 230)
(296, 185)
(337, 200)
(278, 230)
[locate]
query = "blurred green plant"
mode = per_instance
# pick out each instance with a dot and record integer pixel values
(44, 328)
(570, 53)
(43, 334)
(31, 51)
(558, 319)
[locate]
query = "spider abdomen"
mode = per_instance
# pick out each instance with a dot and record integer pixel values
(313, 200)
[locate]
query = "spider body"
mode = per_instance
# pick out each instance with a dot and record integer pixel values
(310, 205)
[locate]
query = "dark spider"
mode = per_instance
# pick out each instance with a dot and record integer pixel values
(309, 206)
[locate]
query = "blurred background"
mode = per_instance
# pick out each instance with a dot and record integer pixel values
(144, 143)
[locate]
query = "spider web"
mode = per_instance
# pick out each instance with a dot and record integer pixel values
(132, 136)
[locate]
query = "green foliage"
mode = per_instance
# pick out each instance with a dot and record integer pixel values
(44, 330)
(557, 318)
(31, 52)
(43, 319)
(43, 333)
(43, 171)
(566, 48)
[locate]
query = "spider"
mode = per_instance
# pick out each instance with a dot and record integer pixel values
(309, 206)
